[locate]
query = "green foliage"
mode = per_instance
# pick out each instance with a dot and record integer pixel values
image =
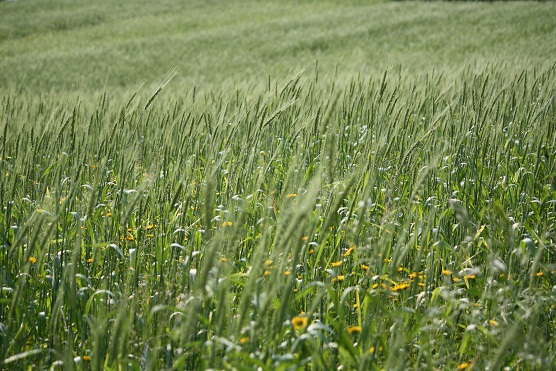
(395, 220)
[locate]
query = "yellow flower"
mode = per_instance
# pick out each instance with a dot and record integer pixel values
(493, 322)
(299, 322)
(226, 224)
(87, 358)
(349, 251)
(400, 286)
(338, 279)
(223, 259)
(150, 226)
(372, 350)
(268, 262)
(400, 269)
(455, 279)
(304, 238)
(336, 264)
(244, 339)
(312, 251)
(463, 366)
(291, 195)
(354, 329)
(446, 272)
(90, 260)
(32, 259)
(469, 276)
(364, 267)
(130, 238)
(375, 285)
(540, 274)
(266, 273)
(287, 273)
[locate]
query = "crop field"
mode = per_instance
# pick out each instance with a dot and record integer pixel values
(277, 185)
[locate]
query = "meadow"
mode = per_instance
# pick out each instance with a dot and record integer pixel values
(277, 185)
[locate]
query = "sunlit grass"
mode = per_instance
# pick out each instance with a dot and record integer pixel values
(386, 224)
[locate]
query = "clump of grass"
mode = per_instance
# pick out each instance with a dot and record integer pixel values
(381, 224)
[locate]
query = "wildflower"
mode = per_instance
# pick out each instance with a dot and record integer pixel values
(540, 274)
(150, 226)
(304, 238)
(223, 259)
(400, 269)
(287, 273)
(354, 329)
(493, 322)
(446, 272)
(130, 238)
(299, 322)
(226, 224)
(32, 259)
(338, 279)
(400, 286)
(463, 366)
(455, 279)
(469, 276)
(364, 267)
(375, 286)
(421, 284)
(349, 251)
(372, 350)
(90, 260)
(312, 251)
(244, 340)
(108, 215)
(87, 358)
(291, 195)
(268, 262)
(336, 264)
(151, 235)
(266, 273)
(413, 275)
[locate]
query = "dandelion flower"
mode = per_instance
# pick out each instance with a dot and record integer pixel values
(299, 322)
(268, 262)
(354, 329)
(266, 273)
(312, 251)
(540, 274)
(349, 251)
(375, 286)
(87, 358)
(287, 273)
(446, 272)
(291, 195)
(364, 267)
(226, 224)
(469, 276)
(336, 264)
(90, 260)
(304, 238)
(493, 322)
(338, 279)
(223, 259)
(32, 259)
(463, 366)
(244, 340)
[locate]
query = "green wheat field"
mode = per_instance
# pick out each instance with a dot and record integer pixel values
(277, 185)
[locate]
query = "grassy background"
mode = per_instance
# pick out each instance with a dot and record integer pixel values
(67, 45)
(366, 185)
